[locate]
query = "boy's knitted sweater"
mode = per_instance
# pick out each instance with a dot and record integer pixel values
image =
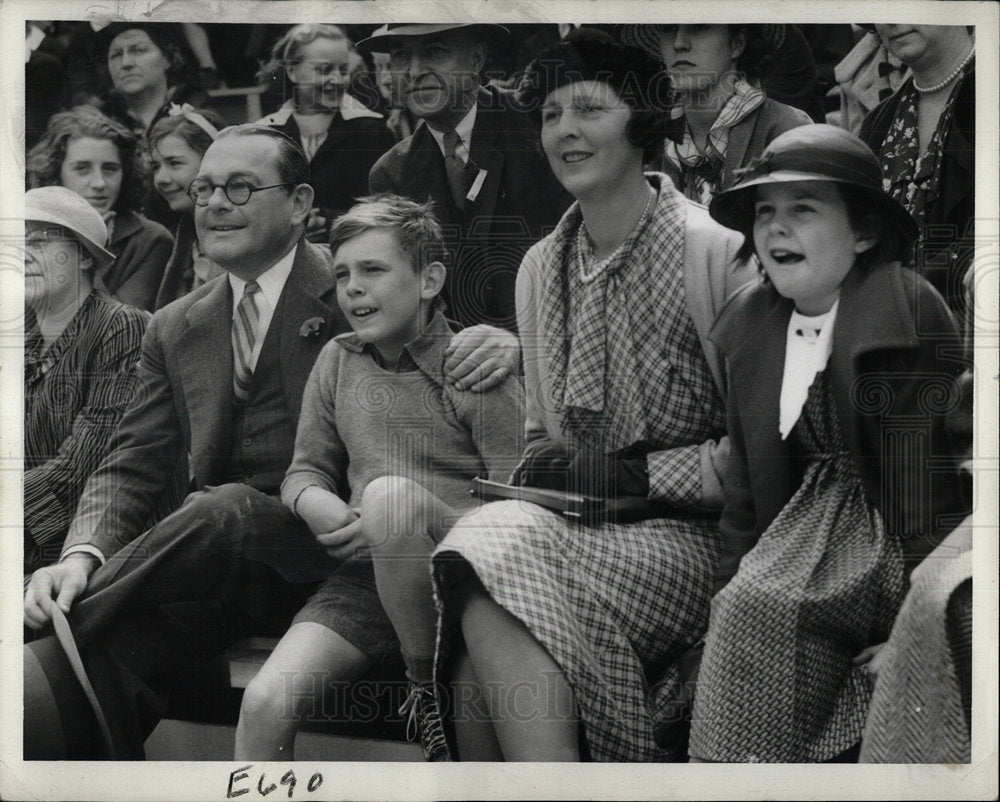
(360, 421)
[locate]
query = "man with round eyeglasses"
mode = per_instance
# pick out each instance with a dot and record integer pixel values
(221, 378)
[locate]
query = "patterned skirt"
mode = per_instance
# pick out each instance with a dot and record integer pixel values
(614, 605)
(777, 680)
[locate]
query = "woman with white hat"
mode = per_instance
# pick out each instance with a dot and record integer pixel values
(81, 350)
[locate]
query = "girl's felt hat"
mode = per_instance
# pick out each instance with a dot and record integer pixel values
(63, 207)
(815, 152)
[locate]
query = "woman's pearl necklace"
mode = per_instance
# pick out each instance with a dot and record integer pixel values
(597, 267)
(927, 90)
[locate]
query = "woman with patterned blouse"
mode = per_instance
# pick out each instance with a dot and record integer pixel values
(924, 136)
(81, 350)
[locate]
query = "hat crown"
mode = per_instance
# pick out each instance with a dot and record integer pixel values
(823, 150)
(63, 207)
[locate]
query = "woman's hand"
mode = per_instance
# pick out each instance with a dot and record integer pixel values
(873, 657)
(544, 465)
(594, 473)
(323, 511)
(481, 357)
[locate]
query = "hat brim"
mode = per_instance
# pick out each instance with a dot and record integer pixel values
(102, 257)
(734, 207)
(647, 37)
(385, 41)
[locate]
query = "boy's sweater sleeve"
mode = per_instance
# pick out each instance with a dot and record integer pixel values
(320, 456)
(495, 419)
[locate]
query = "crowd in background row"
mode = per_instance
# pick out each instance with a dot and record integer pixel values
(123, 115)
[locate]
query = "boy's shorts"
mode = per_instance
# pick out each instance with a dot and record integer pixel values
(347, 603)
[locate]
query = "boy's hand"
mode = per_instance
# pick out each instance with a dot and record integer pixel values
(481, 357)
(323, 511)
(345, 542)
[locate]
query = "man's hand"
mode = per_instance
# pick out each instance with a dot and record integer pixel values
(481, 357)
(316, 225)
(57, 584)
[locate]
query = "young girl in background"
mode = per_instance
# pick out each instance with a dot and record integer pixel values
(839, 478)
(342, 138)
(176, 145)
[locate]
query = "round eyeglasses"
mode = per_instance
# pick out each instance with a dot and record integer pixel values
(237, 190)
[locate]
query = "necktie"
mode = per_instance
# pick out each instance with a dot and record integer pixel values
(244, 337)
(455, 168)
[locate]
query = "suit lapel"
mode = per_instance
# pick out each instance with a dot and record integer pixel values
(423, 176)
(483, 155)
(306, 322)
(207, 373)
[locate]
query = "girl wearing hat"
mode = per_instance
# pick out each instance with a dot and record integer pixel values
(623, 399)
(95, 156)
(840, 477)
(341, 137)
(176, 145)
(81, 350)
(728, 119)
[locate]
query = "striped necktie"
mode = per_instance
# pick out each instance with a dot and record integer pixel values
(244, 337)
(455, 168)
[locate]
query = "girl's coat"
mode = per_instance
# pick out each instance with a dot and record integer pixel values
(894, 366)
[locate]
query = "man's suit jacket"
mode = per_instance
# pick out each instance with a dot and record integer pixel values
(184, 403)
(518, 203)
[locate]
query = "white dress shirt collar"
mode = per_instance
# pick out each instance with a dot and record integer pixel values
(808, 345)
(271, 282)
(464, 131)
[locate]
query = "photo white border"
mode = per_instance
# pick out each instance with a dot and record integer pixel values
(209, 780)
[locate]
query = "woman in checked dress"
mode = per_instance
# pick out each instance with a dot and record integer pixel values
(550, 628)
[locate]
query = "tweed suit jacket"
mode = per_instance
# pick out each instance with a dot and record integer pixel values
(185, 398)
(518, 203)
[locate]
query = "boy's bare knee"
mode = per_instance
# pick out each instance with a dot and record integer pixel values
(389, 507)
(268, 701)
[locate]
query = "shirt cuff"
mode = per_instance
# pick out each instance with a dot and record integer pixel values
(85, 548)
(675, 475)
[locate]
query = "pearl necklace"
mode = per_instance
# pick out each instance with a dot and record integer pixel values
(927, 90)
(586, 276)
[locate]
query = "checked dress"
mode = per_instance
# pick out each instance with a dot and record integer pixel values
(613, 604)
(777, 680)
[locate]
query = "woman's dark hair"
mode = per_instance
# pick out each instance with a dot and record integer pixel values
(891, 244)
(638, 79)
(45, 160)
(161, 34)
(756, 61)
(194, 136)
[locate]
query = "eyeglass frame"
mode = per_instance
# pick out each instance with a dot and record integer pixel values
(225, 190)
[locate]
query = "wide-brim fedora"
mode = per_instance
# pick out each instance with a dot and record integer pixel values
(647, 36)
(816, 152)
(389, 35)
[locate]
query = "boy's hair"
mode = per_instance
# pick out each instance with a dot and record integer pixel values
(414, 224)
(890, 244)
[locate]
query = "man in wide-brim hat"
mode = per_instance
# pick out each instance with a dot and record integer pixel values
(475, 157)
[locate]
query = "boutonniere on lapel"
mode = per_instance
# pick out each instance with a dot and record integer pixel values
(311, 327)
